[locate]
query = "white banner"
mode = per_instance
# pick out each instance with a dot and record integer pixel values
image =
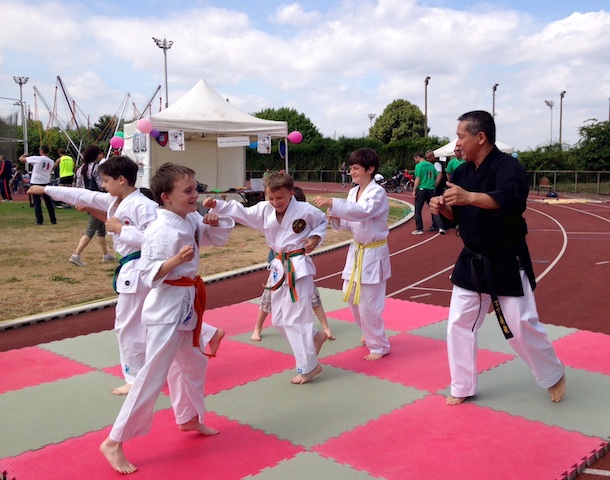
(233, 142)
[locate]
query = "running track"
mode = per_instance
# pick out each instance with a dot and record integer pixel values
(569, 245)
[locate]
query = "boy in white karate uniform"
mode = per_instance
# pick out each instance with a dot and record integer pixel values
(128, 212)
(367, 267)
(292, 230)
(172, 312)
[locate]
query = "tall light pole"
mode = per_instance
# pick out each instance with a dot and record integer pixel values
(371, 117)
(165, 45)
(426, 106)
(551, 104)
(493, 107)
(561, 95)
(24, 123)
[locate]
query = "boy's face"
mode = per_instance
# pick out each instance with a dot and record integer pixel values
(279, 199)
(112, 185)
(359, 174)
(182, 200)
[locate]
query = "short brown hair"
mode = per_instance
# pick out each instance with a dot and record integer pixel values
(165, 178)
(277, 180)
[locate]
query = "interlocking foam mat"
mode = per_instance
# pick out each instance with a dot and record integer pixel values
(356, 420)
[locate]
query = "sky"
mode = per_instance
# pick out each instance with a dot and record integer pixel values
(335, 61)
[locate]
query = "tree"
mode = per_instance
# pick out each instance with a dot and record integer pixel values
(400, 119)
(295, 120)
(593, 149)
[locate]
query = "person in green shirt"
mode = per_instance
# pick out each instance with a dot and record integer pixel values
(423, 191)
(454, 162)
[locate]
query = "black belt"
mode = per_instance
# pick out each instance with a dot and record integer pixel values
(486, 263)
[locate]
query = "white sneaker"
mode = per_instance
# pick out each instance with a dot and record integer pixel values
(417, 232)
(75, 259)
(108, 258)
(442, 231)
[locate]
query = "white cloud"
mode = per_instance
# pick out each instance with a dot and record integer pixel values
(334, 61)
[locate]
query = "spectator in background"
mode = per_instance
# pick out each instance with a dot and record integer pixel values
(66, 168)
(454, 162)
(42, 168)
(6, 173)
(423, 191)
(88, 177)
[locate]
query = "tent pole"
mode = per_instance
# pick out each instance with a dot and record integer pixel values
(286, 155)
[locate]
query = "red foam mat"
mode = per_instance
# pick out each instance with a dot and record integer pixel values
(27, 367)
(234, 319)
(440, 442)
(166, 452)
(414, 361)
(401, 315)
(585, 350)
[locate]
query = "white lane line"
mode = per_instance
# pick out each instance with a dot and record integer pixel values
(563, 247)
(421, 281)
(597, 471)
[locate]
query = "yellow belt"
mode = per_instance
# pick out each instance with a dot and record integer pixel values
(356, 275)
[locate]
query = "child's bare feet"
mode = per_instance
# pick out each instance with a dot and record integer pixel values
(374, 356)
(215, 342)
(306, 377)
(256, 335)
(113, 451)
(122, 390)
(329, 334)
(362, 340)
(194, 425)
(556, 391)
(318, 341)
(451, 400)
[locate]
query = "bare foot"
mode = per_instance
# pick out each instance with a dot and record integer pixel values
(451, 400)
(256, 335)
(193, 425)
(362, 340)
(374, 356)
(113, 451)
(329, 334)
(318, 341)
(215, 342)
(556, 391)
(122, 390)
(306, 377)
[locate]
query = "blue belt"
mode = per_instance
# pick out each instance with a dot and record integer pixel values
(127, 258)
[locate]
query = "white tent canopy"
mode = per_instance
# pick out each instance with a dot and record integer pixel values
(203, 115)
(447, 150)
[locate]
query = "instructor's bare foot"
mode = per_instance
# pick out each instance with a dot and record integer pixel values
(256, 335)
(122, 390)
(193, 425)
(556, 391)
(374, 356)
(215, 342)
(113, 451)
(318, 341)
(451, 400)
(306, 377)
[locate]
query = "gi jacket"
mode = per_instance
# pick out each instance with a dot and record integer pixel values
(493, 236)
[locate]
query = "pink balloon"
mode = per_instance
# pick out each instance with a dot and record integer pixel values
(144, 125)
(295, 137)
(154, 133)
(117, 142)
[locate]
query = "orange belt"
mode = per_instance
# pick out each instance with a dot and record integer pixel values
(200, 299)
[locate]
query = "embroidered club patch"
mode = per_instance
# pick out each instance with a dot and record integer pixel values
(298, 225)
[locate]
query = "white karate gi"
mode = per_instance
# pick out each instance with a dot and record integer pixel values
(170, 318)
(136, 212)
(466, 315)
(366, 219)
(294, 320)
